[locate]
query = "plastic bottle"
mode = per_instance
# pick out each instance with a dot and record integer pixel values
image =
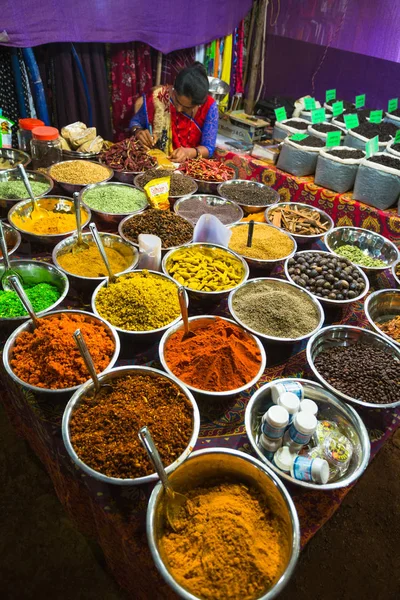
(300, 431)
(310, 469)
(277, 389)
(269, 447)
(274, 422)
(283, 459)
(309, 406)
(24, 132)
(45, 147)
(291, 402)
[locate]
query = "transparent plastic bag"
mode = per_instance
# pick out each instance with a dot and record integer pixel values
(149, 252)
(209, 229)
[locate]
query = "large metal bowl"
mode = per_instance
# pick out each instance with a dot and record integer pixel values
(111, 219)
(208, 296)
(75, 155)
(301, 239)
(28, 326)
(371, 243)
(393, 269)
(382, 306)
(248, 208)
(17, 157)
(267, 264)
(13, 175)
(75, 187)
(108, 377)
(209, 187)
(137, 183)
(329, 408)
(220, 465)
(207, 393)
(52, 204)
(12, 238)
(345, 335)
(109, 240)
(211, 201)
(322, 299)
(284, 284)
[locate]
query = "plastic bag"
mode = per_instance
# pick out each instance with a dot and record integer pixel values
(209, 229)
(376, 184)
(72, 129)
(298, 160)
(334, 173)
(282, 130)
(5, 131)
(149, 252)
(94, 145)
(157, 191)
(82, 137)
(355, 140)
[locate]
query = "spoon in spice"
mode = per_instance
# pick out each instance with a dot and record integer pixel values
(37, 212)
(80, 244)
(184, 312)
(8, 270)
(175, 501)
(111, 277)
(87, 359)
(250, 234)
(16, 286)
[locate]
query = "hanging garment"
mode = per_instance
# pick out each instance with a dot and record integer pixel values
(200, 54)
(175, 62)
(239, 89)
(8, 93)
(226, 66)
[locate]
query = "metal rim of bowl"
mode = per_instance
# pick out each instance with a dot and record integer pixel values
(248, 182)
(301, 236)
(294, 520)
(136, 244)
(370, 319)
(16, 233)
(75, 155)
(271, 338)
(245, 266)
(25, 158)
(58, 247)
(64, 162)
(135, 332)
(15, 334)
(393, 269)
(322, 298)
(103, 378)
(46, 177)
(139, 187)
(201, 181)
(210, 393)
(345, 408)
(327, 385)
(48, 267)
(182, 199)
(92, 186)
(367, 231)
(48, 236)
(268, 261)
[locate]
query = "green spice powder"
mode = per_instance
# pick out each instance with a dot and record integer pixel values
(357, 256)
(14, 190)
(41, 296)
(115, 199)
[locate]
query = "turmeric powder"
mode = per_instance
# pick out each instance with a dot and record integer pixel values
(228, 546)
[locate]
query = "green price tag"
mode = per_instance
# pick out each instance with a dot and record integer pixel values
(375, 116)
(372, 146)
(337, 108)
(360, 101)
(1, 139)
(299, 136)
(309, 103)
(333, 138)
(330, 95)
(393, 105)
(351, 120)
(318, 115)
(280, 114)
(396, 138)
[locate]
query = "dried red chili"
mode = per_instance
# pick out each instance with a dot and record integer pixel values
(128, 155)
(104, 430)
(207, 169)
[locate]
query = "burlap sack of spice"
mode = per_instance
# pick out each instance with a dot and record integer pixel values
(377, 185)
(334, 173)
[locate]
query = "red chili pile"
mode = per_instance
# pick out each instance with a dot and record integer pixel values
(128, 155)
(207, 169)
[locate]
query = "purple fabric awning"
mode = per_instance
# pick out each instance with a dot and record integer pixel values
(166, 25)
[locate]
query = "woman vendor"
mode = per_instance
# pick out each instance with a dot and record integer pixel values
(181, 120)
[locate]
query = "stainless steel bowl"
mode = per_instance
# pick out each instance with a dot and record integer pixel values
(13, 239)
(109, 240)
(372, 244)
(248, 208)
(382, 306)
(208, 296)
(329, 408)
(301, 239)
(393, 269)
(211, 201)
(139, 336)
(137, 183)
(108, 377)
(28, 326)
(17, 157)
(111, 219)
(322, 299)
(208, 187)
(52, 204)
(221, 465)
(75, 155)
(75, 187)
(345, 335)
(33, 272)
(207, 393)
(267, 264)
(284, 284)
(13, 175)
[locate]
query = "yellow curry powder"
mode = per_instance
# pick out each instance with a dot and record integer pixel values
(228, 546)
(268, 242)
(54, 223)
(88, 263)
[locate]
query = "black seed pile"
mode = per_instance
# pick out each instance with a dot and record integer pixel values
(312, 141)
(180, 184)
(243, 193)
(348, 106)
(387, 160)
(347, 153)
(396, 112)
(297, 124)
(326, 276)
(396, 147)
(389, 128)
(361, 371)
(362, 115)
(370, 130)
(325, 127)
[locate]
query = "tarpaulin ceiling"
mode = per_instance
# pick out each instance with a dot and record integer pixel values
(166, 25)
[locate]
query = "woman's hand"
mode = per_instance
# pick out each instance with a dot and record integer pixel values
(147, 140)
(182, 154)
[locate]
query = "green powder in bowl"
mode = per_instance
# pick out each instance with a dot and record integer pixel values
(16, 190)
(114, 198)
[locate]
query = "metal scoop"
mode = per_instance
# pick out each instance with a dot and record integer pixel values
(16, 286)
(87, 359)
(37, 212)
(8, 271)
(99, 244)
(176, 502)
(79, 244)
(184, 313)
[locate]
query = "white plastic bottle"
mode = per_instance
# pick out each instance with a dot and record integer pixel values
(283, 459)
(274, 422)
(269, 447)
(300, 431)
(291, 402)
(277, 389)
(309, 406)
(310, 469)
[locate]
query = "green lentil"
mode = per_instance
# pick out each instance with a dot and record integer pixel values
(357, 256)
(15, 190)
(41, 296)
(115, 199)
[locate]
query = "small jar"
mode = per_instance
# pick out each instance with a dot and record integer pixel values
(310, 469)
(46, 147)
(291, 402)
(299, 433)
(24, 133)
(309, 406)
(269, 447)
(283, 459)
(274, 422)
(277, 389)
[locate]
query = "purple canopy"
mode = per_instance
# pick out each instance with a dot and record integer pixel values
(166, 25)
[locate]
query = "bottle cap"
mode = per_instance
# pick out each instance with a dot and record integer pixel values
(290, 401)
(305, 423)
(278, 388)
(283, 459)
(277, 416)
(309, 406)
(29, 124)
(320, 470)
(267, 444)
(45, 133)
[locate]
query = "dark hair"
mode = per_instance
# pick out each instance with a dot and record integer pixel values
(192, 82)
